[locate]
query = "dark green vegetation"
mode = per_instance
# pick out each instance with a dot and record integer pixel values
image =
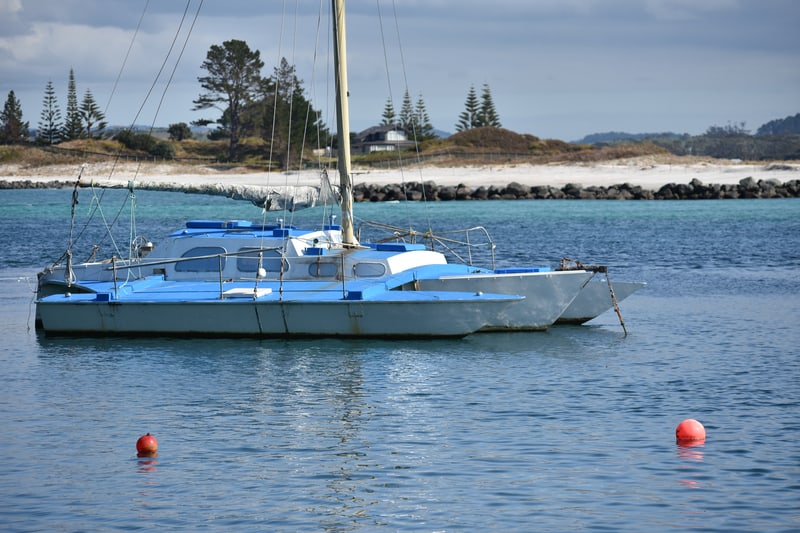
(776, 140)
(267, 121)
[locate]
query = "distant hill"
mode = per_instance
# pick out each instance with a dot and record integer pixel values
(613, 137)
(781, 126)
(776, 140)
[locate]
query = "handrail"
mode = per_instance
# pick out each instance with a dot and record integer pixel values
(168, 261)
(441, 238)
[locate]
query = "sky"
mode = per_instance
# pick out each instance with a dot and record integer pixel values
(558, 69)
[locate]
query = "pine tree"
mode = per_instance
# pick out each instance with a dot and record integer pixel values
(389, 116)
(92, 119)
(487, 116)
(50, 119)
(468, 119)
(12, 128)
(73, 125)
(424, 127)
(289, 124)
(407, 114)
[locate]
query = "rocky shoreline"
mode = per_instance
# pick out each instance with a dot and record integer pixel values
(429, 190)
(694, 190)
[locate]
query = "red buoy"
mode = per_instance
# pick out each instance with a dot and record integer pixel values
(147, 446)
(690, 432)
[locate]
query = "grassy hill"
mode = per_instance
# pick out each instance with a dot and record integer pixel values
(472, 147)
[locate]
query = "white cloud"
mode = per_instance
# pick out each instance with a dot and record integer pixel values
(558, 68)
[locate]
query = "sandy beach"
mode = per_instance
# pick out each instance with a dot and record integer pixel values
(647, 171)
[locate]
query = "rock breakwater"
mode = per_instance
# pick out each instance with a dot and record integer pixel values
(694, 190)
(429, 190)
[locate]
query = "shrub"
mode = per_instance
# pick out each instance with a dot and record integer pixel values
(144, 142)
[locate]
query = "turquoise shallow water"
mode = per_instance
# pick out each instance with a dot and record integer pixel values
(567, 430)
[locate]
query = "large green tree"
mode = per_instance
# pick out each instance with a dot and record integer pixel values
(49, 130)
(233, 81)
(288, 121)
(12, 128)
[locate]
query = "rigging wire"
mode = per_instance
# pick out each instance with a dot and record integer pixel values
(290, 97)
(177, 61)
(414, 133)
(391, 99)
(131, 196)
(108, 104)
(325, 194)
(127, 54)
(413, 122)
(275, 95)
(273, 126)
(329, 91)
(166, 58)
(96, 200)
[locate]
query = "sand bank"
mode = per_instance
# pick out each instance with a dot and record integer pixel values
(643, 171)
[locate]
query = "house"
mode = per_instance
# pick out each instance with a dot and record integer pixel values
(383, 138)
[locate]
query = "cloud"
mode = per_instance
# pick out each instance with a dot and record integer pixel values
(555, 67)
(10, 20)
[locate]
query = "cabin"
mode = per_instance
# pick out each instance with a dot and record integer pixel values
(383, 138)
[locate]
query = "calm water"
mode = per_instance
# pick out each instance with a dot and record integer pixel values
(569, 430)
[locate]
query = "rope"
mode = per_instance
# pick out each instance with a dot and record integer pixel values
(573, 264)
(68, 274)
(616, 306)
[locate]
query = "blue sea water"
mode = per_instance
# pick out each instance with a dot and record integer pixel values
(568, 430)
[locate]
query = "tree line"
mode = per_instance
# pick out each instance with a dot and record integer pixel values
(80, 120)
(414, 120)
(275, 108)
(777, 139)
(249, 105)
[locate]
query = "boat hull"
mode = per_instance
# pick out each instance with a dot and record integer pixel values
(595, 299)
(395, 314)
(547, 295)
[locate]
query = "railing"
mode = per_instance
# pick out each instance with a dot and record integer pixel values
(463, 249)
(219, 257)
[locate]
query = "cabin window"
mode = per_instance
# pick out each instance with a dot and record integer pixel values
(271, 260)
(323, 270)
(203, 263)
(370, 270)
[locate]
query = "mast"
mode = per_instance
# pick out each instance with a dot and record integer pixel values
(343, 122)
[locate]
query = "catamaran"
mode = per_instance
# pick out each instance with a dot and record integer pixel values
(226, 278)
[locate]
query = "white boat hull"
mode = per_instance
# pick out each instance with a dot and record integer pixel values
(395, 314)
(595, 299)
(547, 295)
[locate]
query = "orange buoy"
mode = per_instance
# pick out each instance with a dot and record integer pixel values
(690, 432)
(147, 446)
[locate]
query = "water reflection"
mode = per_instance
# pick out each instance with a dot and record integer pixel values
(146, 465)
(690, 453)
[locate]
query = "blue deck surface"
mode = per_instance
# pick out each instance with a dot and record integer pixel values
(156, 289)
